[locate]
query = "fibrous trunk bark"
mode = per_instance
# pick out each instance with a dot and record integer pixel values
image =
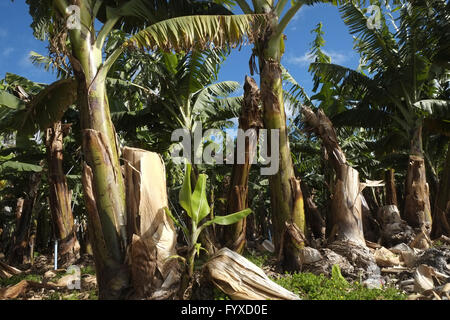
(391, 189)
(250, 118)
(346, 201)
(441, 214)
(19, 210)
(19, 251)
(417, 211)
(286, 198)
(60, 196)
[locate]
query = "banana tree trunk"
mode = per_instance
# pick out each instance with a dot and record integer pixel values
(250, 118)
(346, 207)
(19, 210)
(19, 251)
(417, 210)
(59, 196)
(441, 214)
(285, 193)
(103, 184)
(104, 191)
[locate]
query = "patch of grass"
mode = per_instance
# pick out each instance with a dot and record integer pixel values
(438, 243)
(17, 278)
(312, 287)
(259, 259)
(88, 270)
(93, 294)
(63, 296)
(72, 296)
(54, 296)
(220, 295)
(58, 275)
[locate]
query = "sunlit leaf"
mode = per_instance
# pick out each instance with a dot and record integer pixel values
(185, 192)
(199, 203)
(231, 218)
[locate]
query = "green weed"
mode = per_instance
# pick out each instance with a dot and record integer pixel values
(312, 287)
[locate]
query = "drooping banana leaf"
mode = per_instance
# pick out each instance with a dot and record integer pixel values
(47, 107)
(19, 166)
(10, 101)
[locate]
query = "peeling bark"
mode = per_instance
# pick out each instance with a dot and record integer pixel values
(417, 211)
(346, 201)
(103, 183)
(242, 280)
(286, 203)
(19, 209)
(108, 198)
(154, 275)
(59, 196)
(112, 274)
(250, 118)
(285, 197)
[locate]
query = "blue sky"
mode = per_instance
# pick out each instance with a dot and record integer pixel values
(16, 38)
(17, 41)
(338, 45)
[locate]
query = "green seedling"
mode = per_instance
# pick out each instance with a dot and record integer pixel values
(197, 208)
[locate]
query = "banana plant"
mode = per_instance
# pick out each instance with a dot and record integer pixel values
(197, 208)
(165, 24)
(38, 105)
(269, 47)
(188, 92)
(401, 89)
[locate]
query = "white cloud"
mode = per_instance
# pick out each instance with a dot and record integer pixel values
(7, 51)
(338, 57)
(303, 60)
(294, 21)
(299, 14)
(296, 16)
(3, 33)
(25, 62)
(307, 58)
